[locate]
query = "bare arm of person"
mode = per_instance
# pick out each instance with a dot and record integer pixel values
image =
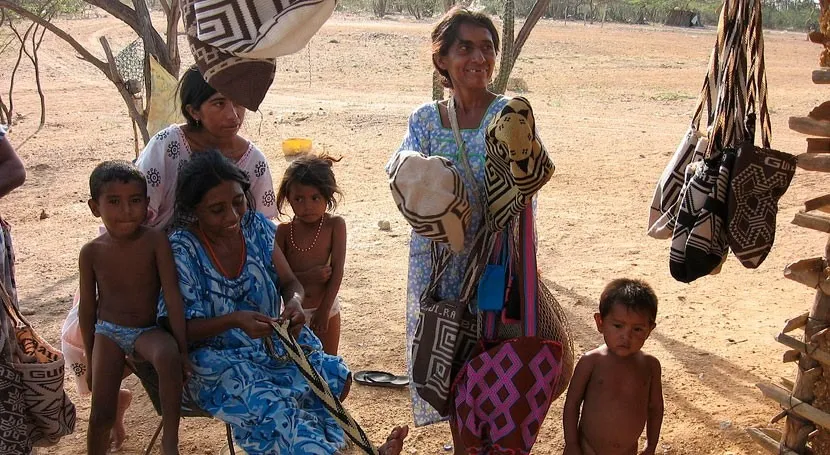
(655, 407)
(320, 320)
(573, 402)
(291, 290)
(88, 304)
(12, 171)
(172, 295)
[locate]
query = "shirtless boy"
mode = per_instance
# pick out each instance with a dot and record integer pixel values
(121, 274)
(617, 386)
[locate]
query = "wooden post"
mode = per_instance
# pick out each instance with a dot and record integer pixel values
(797, 429)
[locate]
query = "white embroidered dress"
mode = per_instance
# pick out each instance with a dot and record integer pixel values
(165, 155)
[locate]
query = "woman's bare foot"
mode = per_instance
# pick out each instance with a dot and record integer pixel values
(394, 443)
(119, 432)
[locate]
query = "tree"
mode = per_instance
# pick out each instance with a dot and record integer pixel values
(512, 47)
(34, 34)
(137, 17)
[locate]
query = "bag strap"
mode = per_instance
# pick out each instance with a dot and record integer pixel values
(729, 111)
(756, 74)
(708, 93)
(319, 387)
(502, 245)
(462, 150)
(11, 309)
(528, 272)
(440, 260)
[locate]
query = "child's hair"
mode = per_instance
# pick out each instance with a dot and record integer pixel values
(635, 295)
(311, 170)
(114, 171)
(203, 172)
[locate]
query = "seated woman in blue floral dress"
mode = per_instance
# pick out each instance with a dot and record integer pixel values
(232, 280)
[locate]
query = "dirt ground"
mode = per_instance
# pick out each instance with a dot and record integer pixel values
(611, 102)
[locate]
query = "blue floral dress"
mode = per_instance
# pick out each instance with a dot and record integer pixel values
(427, 135)
(266, 401)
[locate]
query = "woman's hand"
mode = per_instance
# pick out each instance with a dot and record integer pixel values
(293, 313)
(254, 324)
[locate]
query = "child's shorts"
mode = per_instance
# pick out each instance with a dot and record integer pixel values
(335, 308)
(124, 337)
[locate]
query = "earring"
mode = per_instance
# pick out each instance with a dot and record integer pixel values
(198, 123)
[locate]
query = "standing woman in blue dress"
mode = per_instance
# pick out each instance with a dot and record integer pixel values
(464, 49)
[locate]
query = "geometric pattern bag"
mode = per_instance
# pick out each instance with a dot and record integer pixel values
(516, 164)
(699, 241)
(438, 211)
(235, 43)
(502, 394)
(761, 175)
(50, 414)
(666, 200)
(444, 339)
(14, 435)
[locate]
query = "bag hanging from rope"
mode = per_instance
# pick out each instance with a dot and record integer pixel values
(761, 175)
(502, 394)
(699, 241)
(666, 201)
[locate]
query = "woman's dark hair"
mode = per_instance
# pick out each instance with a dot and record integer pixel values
(203, 172)
(445, 34)
(193, 90)
(310, 170)
(636, 295)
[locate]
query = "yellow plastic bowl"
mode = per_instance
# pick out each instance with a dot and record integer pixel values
(296, 145)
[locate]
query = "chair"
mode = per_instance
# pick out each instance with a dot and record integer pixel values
(150, 381)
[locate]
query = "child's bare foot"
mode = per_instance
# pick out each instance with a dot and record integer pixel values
(394, 443)
(119, 432)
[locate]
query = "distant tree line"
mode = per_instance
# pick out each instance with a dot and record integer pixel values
(799, 15)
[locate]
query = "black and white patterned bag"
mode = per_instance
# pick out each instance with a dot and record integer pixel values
(666, 201)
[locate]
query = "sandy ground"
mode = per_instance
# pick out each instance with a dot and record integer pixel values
(612, 102)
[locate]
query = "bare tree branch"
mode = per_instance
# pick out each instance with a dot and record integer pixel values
(121, 11)
(85, 54)
(166, 7)
(173, 18)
